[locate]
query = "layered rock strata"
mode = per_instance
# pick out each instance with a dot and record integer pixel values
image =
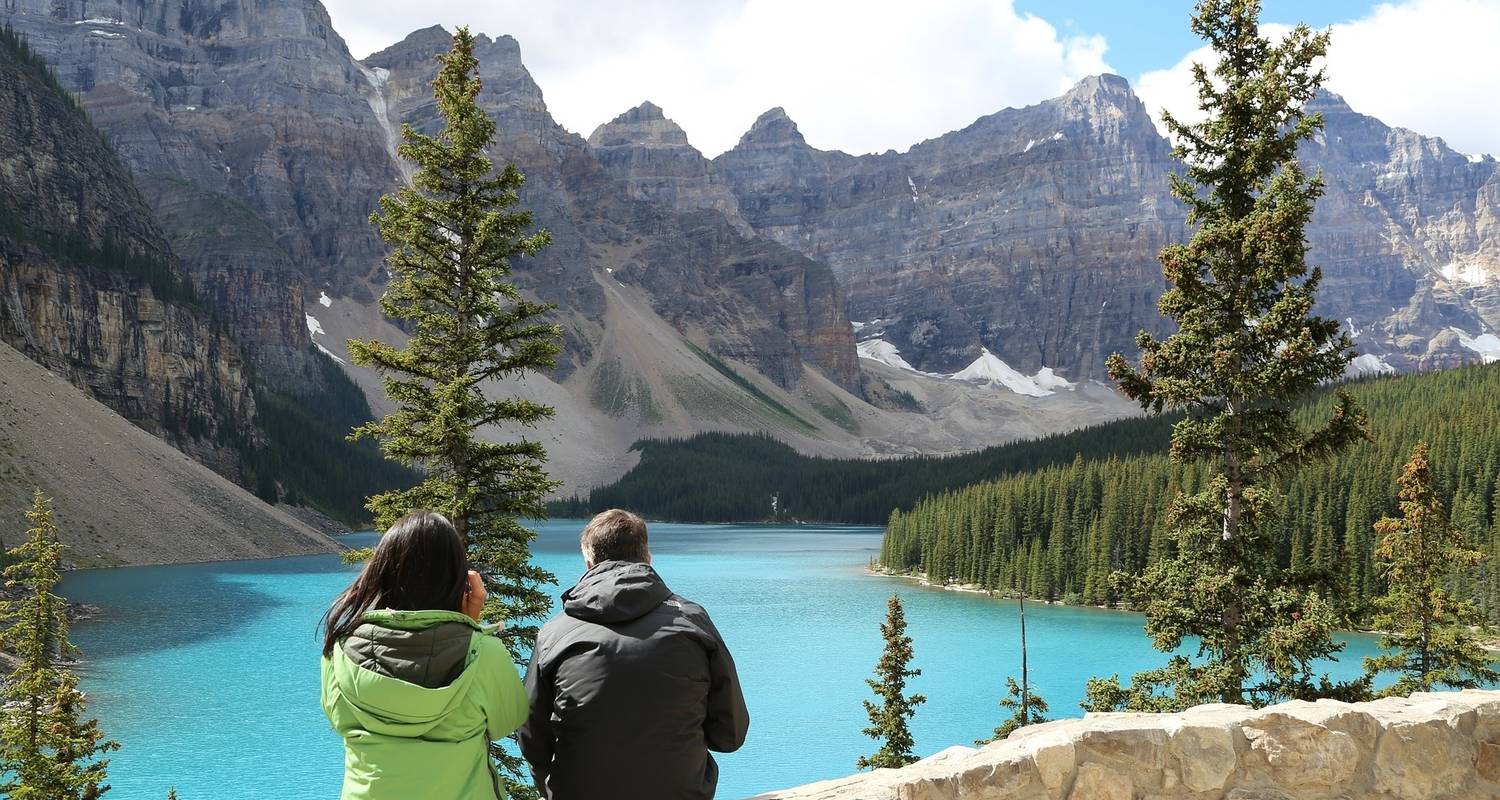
(1033, 232)
(89, 286)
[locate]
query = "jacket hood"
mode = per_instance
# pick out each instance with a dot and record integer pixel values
(615, 592)
(406, 670)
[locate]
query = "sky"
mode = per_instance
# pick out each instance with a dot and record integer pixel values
(872, 75)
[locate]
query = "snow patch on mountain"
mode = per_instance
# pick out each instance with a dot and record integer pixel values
(1471, 274)
(1487, 345)
(1369, 364)
(324, 300)
(884, 352)
(325, 351)
(1030, 143)
(1045, 378)
(989, 368)
(313, 326)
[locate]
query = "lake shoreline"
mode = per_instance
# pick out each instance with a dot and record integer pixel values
(1491, 645)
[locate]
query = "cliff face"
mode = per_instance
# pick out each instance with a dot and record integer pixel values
(1034, 232)
(224, 107)
(651, 154)
(738, 295)
(90, 287)
(1408, 233)
(253, 121)
(1432, 745)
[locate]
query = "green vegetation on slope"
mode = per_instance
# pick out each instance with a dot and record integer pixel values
(305, 450)
(51, 233)
(754, 391)
(719, 477)
(1060, 531)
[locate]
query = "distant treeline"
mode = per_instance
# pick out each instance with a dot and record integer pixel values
(719, 477)
(1059, 532)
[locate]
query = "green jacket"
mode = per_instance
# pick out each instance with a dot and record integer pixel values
(418, 696)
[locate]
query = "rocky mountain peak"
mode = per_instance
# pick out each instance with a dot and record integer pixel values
(1325, 100)
(1108, 111)
(420, 45)
(1105, 85)
(773, 128)
(645, 125)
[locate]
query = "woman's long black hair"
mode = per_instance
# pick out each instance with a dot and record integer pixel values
(420, 564)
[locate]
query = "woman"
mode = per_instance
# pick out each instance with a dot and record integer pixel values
(415, 687)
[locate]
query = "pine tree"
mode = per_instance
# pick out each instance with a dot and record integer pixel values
(1026, 707)
(1246, 347)
(453, 235)
(48, 751)
(889, 718)
(1429, 633)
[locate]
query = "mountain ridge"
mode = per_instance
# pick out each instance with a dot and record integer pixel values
(1028, 238)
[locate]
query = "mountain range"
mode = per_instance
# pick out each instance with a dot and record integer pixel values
(960, 293)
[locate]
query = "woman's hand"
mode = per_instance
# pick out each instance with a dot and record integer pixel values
(474, 596)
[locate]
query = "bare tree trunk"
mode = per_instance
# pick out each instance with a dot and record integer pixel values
(1025, 683)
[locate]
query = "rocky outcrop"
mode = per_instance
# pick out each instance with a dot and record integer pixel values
(652, 156)
(89, 287)
(739, 296)
(1033, 232)
(1430, 746)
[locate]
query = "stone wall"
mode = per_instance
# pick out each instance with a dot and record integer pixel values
(1426, 747)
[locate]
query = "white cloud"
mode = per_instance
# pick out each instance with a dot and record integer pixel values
(1427, 65)
(856, 75)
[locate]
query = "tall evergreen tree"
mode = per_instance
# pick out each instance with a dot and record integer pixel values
(48, 750)
(1247, 345)
(1429, 633)
(453, 234)
(889, 717)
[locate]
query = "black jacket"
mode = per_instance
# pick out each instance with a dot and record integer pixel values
(630, 687)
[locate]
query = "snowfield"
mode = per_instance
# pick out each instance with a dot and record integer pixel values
(1469, 274)
(1487, 345)
(884, 352)
(1368, 364)
(988, 368)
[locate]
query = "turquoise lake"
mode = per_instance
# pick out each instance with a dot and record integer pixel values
(208, 673)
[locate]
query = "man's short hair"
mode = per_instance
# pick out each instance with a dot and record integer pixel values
(615, 535)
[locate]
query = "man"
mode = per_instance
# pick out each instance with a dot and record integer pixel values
(631, 685)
